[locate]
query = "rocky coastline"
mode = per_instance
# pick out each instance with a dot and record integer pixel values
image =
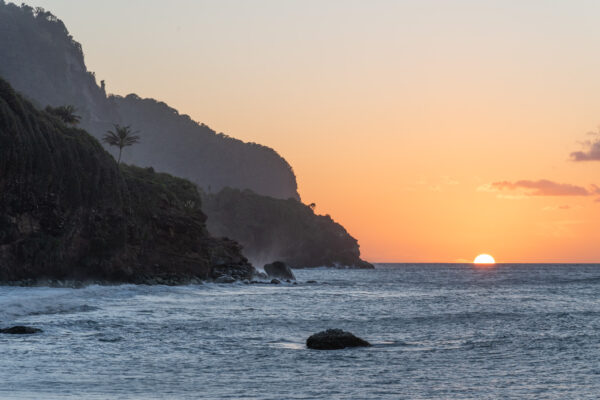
(252, 198)
(71, 213)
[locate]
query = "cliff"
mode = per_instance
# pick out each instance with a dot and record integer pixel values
(274, 229)
(68, 211)
(41, 60)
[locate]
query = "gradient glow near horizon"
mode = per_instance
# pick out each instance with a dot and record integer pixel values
(430, 129)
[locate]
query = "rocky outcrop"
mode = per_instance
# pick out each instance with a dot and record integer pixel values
(285, 230)
(41, 60)
(334, 339)
(279, 270)
(68, 211)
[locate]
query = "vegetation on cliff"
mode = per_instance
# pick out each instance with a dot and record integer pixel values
(41, 60)
(65, 113)
(121, 137)
(177, 144)
(274, 229)
(67, 210)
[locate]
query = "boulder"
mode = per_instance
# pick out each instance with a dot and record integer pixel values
(334, 339)
(20, 330)
(225, 279)
(261, 275)
(279, 270)
(275, 281)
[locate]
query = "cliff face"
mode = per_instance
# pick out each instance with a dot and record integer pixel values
(176, 144)
(287, 230)
(41, 60)
(67, 211)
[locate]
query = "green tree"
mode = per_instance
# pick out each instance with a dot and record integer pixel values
(65, 113)
(121, 137)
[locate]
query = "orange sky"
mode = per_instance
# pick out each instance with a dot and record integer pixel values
(397, 116)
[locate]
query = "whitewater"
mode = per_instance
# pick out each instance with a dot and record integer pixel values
(439, 331)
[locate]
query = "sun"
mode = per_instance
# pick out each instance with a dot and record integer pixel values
(484, 259)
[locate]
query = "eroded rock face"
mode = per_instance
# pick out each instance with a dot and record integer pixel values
(334, 339)
(279, 270)
(20, 330)
(303, 240)
(41, 59)
(69, 212)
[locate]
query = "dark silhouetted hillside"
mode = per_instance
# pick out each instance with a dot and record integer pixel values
(274, 229)
(67, 211)
(40, 59)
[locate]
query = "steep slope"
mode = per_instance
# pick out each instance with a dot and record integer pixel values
(209, 159)
(40, 59)
(273, 229)
(67, 211)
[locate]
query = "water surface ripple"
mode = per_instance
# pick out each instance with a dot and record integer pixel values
(439, 331)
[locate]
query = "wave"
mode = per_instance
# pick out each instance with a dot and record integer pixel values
(18, 303)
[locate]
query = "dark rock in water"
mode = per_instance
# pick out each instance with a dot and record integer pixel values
(20, 330)
(311, 281)
(225, 279)
(275, 281)
(261, 275)
(334, 339)
(279, 270)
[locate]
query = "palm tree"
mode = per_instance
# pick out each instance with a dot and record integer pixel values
(121, 137)
(65, 113)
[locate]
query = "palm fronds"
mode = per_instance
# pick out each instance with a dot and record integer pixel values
(65, 113)
(122, 136)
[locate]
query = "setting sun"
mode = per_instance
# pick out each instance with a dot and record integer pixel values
(484, 259)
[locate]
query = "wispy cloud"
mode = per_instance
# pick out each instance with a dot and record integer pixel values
(591, 150)
(542, 187)
(449, 181)
(436, 185)
(555, 208)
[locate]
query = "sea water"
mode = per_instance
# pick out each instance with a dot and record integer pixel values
(439, 331)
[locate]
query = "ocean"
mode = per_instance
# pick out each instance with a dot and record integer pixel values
(439, 331)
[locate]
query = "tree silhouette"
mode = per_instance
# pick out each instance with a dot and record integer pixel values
(121, 137)
(65, 113)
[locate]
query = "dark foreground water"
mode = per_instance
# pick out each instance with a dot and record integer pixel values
(440, 332)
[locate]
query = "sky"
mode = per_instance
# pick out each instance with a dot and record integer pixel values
(432, 130)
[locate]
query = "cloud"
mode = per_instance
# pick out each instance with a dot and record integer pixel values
(542, 187)
(438, 184)
(591, 150)
(450, 181)
(554, 208)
